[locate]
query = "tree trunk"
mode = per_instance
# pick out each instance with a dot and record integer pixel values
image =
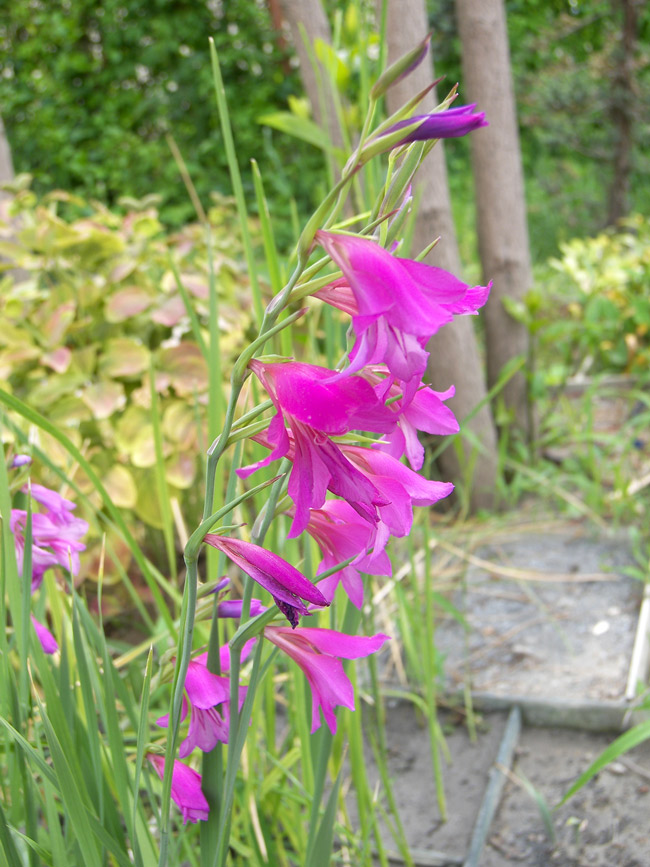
(6, 165)
(308, 18)
(455, 356)
(624, 96)
(498, 176)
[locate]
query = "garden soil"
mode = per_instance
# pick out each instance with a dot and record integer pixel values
(551, 617)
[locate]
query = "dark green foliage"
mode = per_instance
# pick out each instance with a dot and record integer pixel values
(563, 55)
(89, 90)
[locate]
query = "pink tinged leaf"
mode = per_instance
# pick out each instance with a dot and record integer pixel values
(104, 398)
(126, 303)
(170, 312)
(186, 367)
(186, 789)
(58, 360)
(48, 641)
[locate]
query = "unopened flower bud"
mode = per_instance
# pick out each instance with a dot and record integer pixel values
(401, 68)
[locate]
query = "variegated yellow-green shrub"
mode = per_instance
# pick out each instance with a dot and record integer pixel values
(606, 297)
(90, 303)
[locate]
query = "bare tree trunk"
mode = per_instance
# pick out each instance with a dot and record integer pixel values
(624, 95)
(308, 18)
(455, 356)
(6, 164)
(501, 205)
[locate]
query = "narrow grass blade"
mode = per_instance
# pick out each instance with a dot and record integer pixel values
(622, 744)
(320, 855)
(161, 480)
(235, 179)
(6, 842)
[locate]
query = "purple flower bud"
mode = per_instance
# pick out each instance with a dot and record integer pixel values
(450, 123)
(20, 461)
(401, 68)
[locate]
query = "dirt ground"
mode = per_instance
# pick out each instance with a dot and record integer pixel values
(606, 824)
(465, 779)
(558, 628)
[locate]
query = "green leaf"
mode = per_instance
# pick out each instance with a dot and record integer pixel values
(621, 745)
(72, 796)
(298, 127)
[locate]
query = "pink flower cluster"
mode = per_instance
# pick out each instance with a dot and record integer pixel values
(395, 306)
(56, 541)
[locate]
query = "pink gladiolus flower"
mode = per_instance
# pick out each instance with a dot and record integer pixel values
(396, 304)
(450, 123)
(319, 652)
(56, 534)
(402, 487)
(422, 410)
(341, 534)
(207, 691)
(287, 586)
(55, 541)
(315, 405)
(48, 641)
(186, 789)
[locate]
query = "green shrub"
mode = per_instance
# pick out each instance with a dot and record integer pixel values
(607, 300)
(89, 306)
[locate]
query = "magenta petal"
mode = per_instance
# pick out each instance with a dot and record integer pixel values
(48, 641)
(205, 689)
(50, 499)
(316, 651)
(340, 644)
(163, 721)
(186, 789)
(208, 727)
(449, 123)
(233, 608)
(273, 573)
(423, 492)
